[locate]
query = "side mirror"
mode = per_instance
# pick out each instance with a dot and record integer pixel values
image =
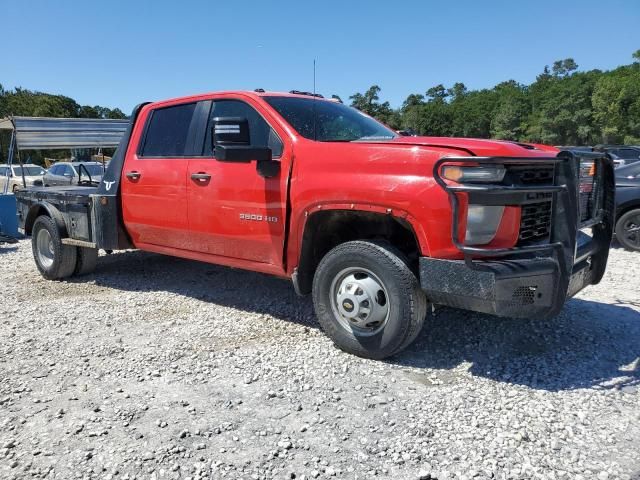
(232, 143)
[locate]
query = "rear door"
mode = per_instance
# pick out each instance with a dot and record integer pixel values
(154, 197)
(233, 211)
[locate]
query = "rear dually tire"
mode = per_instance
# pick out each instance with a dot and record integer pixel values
(54, 260)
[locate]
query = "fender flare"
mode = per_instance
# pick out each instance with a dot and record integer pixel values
(303, 216)
(45, 208)
(296, 251)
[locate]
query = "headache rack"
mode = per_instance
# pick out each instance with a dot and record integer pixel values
(560, 198)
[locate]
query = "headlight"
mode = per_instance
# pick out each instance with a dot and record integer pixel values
(482, 223)
(484, 174)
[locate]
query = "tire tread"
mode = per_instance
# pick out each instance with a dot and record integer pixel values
(66, 254)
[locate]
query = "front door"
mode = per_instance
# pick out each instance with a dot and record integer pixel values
(154, 194)
(233, 211)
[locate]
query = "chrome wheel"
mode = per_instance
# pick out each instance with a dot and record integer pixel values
(44, 246)
(359, 301)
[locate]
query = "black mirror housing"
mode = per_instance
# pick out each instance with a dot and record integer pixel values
(241, 153)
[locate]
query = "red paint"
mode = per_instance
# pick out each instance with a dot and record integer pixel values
(167, 212)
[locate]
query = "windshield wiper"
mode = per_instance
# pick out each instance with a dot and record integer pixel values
(374, 137)
(342, 140)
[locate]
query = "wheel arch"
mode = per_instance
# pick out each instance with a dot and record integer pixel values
(627, 207)
(325, 228)
(44, 208)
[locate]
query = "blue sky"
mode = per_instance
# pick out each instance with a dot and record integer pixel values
(118, 53)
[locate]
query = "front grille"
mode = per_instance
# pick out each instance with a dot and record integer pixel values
(535, 222)
(524, 295)
(530, 174)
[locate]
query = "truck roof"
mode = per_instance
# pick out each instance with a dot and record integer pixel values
(482, 147)
(247, 93)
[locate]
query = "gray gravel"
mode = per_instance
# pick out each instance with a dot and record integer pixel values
(155, 367)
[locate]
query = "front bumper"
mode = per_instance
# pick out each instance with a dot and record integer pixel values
(533, 280)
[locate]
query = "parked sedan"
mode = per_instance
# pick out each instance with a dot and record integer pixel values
(72, 173)
(621, 154)
(13, 175)
(628, 206)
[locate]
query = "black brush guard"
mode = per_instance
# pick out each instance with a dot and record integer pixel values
(529, 280)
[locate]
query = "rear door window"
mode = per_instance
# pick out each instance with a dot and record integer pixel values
(167, 131)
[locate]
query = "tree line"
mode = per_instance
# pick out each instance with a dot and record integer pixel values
(563, 106)
(27, 103)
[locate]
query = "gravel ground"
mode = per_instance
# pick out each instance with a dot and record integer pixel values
(155, 367)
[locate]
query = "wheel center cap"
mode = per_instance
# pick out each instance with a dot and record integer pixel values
(348, 305)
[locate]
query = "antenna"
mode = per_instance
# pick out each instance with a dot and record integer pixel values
(315, 131)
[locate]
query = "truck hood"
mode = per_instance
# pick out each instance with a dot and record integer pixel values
(481, 147)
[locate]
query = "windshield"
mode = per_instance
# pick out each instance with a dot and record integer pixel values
(28, 171)
(94, 169)
(328, 121)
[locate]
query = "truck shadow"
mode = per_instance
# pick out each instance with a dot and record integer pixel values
(239, 289)
(589, 345)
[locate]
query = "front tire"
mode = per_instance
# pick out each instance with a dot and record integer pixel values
(628, 230)
(367, 300)
(54, 260)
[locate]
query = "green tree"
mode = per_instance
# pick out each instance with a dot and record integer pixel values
(564, 67)
(369, 103)
(437, 93)
(511, 111)
(616, 105)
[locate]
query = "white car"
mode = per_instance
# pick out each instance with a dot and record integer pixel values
(33, 175)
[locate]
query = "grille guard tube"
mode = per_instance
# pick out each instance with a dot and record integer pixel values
(561, 249)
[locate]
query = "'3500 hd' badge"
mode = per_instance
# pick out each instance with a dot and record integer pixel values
(258, 218)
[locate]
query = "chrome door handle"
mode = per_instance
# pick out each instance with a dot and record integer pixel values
(133, 175)
(200, 177)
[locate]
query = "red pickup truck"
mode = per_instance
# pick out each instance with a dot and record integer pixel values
(374, 225)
